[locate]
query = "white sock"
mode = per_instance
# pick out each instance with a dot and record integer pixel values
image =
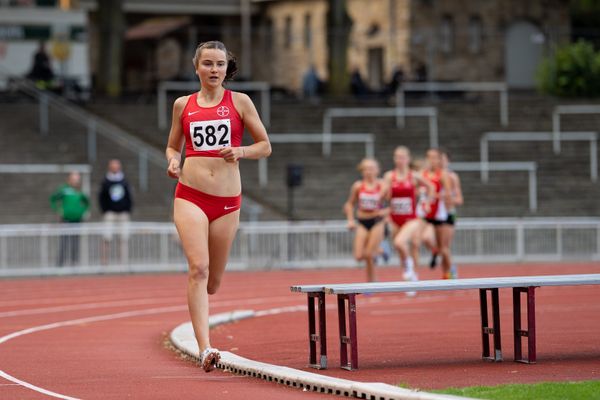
(409, 264)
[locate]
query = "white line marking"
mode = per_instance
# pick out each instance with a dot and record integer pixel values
(131, 302)
(72, 322)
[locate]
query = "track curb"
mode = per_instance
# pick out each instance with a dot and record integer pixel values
(183, 339)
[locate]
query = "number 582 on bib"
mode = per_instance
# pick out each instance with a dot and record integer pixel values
(210, 135)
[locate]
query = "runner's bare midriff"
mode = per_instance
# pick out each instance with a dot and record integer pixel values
(212, 175)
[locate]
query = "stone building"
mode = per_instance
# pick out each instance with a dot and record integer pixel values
(450, 40)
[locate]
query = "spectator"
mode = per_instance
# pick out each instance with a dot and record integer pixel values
(357, 85)
(421, 72)
(311, 85)
(116, 204)
(71, 205)
(396, 81)
(41, 72)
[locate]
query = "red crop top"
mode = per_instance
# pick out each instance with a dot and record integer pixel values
(209, 129)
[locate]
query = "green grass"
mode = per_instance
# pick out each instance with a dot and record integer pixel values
(587, 390)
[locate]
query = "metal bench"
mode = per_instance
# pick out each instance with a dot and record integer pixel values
(346, 299)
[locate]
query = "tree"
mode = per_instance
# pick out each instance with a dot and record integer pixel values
(339, 25)
(109, 69)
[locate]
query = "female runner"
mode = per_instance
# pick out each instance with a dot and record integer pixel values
(438, 213)
(456, 199)
(208, 195)
(402, 195)
(367, 194)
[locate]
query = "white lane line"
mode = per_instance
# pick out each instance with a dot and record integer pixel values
(73, 307)
(119, 303)
(72, 322)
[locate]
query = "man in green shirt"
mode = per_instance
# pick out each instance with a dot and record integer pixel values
(71, 205)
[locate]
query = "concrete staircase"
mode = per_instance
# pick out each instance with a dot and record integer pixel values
(564, 187)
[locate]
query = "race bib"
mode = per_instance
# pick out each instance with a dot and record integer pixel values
(402, 206)
(368, 201)
(210, 135)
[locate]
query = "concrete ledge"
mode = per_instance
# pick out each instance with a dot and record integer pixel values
(183, 339)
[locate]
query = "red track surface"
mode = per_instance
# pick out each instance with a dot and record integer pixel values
(428, 341)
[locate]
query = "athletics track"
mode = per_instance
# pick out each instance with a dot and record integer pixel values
(103, 337)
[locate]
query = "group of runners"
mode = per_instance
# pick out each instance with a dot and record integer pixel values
(209, 124)
(416, 200)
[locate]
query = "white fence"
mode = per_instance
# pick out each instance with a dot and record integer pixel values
(488, 137)
(499, 87)
(428, 112)
(568, 109)
(33, 249)
(165, 86)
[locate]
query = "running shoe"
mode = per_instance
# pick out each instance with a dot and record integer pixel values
(410, 276)
(209, 359)
(433, 262)
(453, 272)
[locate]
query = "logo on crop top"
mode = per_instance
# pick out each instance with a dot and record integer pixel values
(223, 111)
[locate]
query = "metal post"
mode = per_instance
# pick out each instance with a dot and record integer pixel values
(353, 331)
(246, 39)
(3, 251)
(263, 173)
(400, 115)
(91, 140)
(504, 107)
(483, 156)
(84, 244)
(520, 245)
(531, 354)
(342, 327)
(164, 248)
(143, 170)
(485, 339)
(161, 96)
(517, 332)
(312, 332)
(322, 331)
(559, 241)
(327, 134)
(556, 131)
(594, 159)
(265, 106)
(433, 130)
(533, 189)
(369, 148)
(496, 317)
(44, 114)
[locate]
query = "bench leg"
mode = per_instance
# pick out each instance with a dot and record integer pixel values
(346, 340)
(529, 333)
(313, 336)
(486, 330)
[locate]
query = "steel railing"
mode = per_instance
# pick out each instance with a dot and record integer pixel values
(499, 87)
(33, 249)
(367, 138)
(568, 109)
(505, 166)
(488, 137)
(349, 112)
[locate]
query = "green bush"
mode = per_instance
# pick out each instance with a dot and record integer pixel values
(573, 71)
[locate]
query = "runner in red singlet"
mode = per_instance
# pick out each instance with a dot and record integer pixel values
(438, 213)
(208, 195)
(401, 189)
(367, 195)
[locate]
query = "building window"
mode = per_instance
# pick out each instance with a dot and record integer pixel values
(287, 35)
(447, 34)
(475, 34)
(307, 31)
